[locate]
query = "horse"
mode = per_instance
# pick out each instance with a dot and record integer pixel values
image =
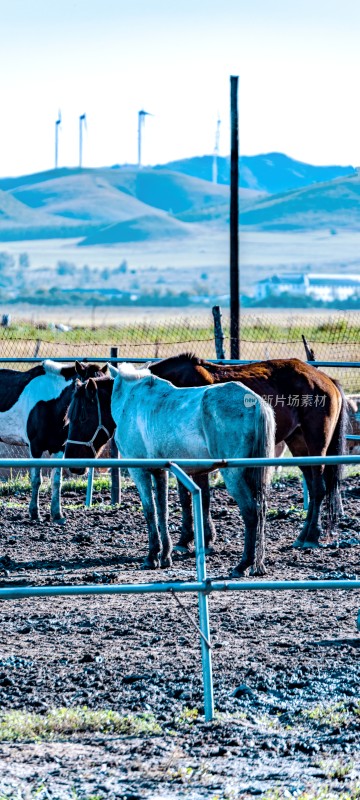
(33, 405)
(311, 415)
(154, 419)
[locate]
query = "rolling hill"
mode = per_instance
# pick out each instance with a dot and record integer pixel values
(123, 204)
(270, 173)
(77, 203)
(335, 204)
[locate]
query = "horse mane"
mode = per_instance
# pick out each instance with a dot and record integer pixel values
(188, 356)
(128, 372)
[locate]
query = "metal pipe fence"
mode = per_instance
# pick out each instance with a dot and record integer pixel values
(134, 360)
(203, 586)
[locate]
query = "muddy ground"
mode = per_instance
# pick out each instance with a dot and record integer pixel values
(286, 665)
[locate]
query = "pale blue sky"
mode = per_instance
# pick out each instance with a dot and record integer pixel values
(298, 64)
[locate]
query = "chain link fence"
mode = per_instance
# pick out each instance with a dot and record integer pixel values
(333, 337)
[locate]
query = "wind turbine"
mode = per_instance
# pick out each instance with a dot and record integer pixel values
(216, 152)
(82, 121)
(141, 116)
(57, 128)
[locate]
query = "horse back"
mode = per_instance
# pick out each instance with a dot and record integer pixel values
(12, 384)
(236, 422)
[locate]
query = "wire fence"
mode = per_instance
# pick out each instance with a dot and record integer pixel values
(333, 337)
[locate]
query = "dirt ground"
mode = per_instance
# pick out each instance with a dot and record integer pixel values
(286, 665)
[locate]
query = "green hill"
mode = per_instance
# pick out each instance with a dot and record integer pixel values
(334, 204)
(80, 202)
(124, 203)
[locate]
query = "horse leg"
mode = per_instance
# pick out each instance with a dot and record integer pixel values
(209, 527)
(161, 482)
(142, 480)
(56, 481)
(314, 476)
(187, 524)
(239, 484)
(307, 473)
(36, 481)
(187, 528)
(314, 529)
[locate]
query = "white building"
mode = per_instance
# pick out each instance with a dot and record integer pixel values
(320, 286)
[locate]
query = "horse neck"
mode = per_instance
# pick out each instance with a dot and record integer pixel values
(105, 387)
(182, 374)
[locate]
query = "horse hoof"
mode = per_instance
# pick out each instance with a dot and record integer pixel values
(180, 548)
(209, 550)
(59, 520)
(298, 543)
(166, 562)
(311, 545)
(150, 564)
(237, 572)
(258, 571)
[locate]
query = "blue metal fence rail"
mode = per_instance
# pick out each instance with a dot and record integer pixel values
(133, 360)
(203, 586)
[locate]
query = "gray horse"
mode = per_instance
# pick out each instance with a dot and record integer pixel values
(154, 419)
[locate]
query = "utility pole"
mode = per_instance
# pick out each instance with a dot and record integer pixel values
(82, 121)
(234, 222)
(57, 127)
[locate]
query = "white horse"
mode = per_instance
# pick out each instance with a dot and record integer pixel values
(154, 419)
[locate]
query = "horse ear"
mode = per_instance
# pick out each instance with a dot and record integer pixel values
(91, 388)
(113, 371)
(104, 369)
(79, 368)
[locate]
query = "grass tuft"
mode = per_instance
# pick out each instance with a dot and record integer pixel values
(17, 726)
(324, 792)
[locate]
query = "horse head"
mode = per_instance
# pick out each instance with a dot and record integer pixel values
(89, 418)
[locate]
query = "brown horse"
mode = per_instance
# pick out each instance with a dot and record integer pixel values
(311, 417)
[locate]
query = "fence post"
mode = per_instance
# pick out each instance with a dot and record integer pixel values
(218, 332)
(114, 453)
(203, 601)
(89, 489)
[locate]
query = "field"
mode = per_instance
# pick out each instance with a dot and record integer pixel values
(157, 333)
(181, 263)
(102, 697)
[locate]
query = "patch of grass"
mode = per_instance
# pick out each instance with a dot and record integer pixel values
(17, 484)
(324, 792)
(286, 474)
(102, 483)
(188, 716)
(337, 769)
(335, 715)
(17, 726)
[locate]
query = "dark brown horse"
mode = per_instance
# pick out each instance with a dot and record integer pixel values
(311, 417)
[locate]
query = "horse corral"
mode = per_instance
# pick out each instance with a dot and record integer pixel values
(141, 656)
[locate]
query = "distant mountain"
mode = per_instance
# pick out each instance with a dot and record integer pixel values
(124, 203)
(75, 203)
(334, 204)
(270, 173)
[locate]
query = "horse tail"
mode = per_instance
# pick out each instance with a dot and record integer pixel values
(333, 474)
(258, 478)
